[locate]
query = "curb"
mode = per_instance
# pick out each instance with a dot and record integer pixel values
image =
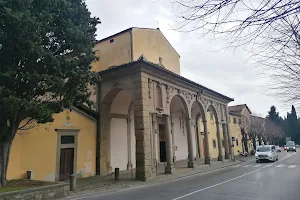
(153, 183)
(196, 173)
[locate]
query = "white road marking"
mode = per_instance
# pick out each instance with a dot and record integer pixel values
(292, 166)
(279, 165)
(173, 180)
(269, 165)
(212, 186)
(189, 194)
(256, 165)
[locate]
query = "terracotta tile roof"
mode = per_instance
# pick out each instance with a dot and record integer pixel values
(237, 109)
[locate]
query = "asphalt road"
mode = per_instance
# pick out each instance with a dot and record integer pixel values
(249, 181)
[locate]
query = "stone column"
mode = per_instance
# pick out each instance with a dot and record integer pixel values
(220, 156)
(170, 167)
(129, 164)
(231, 151)
(207, 153)
(226, 143)
(191, 162)
(197, 141)
(173, 141)
(142, 127)
(155, 161)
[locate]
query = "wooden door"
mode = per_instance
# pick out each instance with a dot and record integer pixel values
(66, 163)
(162, 143)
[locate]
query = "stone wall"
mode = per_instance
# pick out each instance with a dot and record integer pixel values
(41, 193)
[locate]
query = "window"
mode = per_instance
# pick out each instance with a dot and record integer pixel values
(234, 120)
(111, 41)
(263, 149)
(223, 144)
(237, 142)
(214, 144)
(211, 116)
(240, 121)
(67, 139)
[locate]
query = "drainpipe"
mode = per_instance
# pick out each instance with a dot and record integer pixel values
(131, 44)
(98, 137)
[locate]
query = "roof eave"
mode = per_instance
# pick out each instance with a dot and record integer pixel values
(128, 65)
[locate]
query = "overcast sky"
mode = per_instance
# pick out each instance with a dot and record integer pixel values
(202, 59)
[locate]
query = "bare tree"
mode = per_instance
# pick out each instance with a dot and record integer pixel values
(273, 132)
(257, 130)
(268, 29)
(244, 124)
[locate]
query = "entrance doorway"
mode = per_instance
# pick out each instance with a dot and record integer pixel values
(162, 143)
(66, 163)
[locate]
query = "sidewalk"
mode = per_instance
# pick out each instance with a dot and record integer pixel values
(107, 184)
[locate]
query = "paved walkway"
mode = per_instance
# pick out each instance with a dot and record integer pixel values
(106, 184)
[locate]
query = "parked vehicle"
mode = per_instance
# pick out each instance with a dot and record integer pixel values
(266, 152)
(243, 154)
(291, 146)
(278, 149)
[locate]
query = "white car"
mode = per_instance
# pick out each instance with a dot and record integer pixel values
(266, 152)
(278, 149)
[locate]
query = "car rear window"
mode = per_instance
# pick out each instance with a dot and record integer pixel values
(290, 143)
(263, 149)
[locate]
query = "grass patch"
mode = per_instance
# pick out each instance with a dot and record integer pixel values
(15, 185)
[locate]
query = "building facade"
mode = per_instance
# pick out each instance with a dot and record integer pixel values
(162, 107)
(145, 113)
(240, 118)
(46, 150)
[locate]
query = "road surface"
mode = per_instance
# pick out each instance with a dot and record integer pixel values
(249, 181)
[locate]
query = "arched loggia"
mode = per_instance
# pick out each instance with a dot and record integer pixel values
(117, 146)
(180, 125)
(216, 132)
(199, 118)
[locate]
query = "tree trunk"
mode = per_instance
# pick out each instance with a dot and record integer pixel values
(259, 140)
(254, 142)
(4, 158)
(244, 137)
(7, 136)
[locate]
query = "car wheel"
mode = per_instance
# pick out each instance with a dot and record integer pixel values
(257, 161)
(277, 158)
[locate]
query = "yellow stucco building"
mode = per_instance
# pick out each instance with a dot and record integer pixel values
(44, 150)
(145, 113)
(128, 45)
(239, 115)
